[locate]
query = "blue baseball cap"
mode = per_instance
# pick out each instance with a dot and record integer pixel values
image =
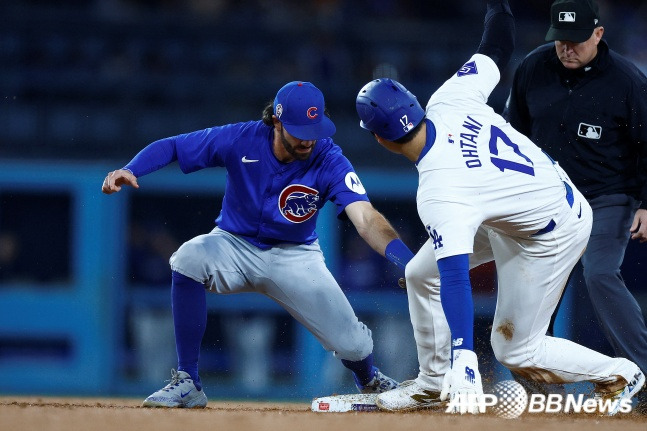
(300, 107)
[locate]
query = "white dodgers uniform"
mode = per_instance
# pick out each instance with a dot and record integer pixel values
(486, 190)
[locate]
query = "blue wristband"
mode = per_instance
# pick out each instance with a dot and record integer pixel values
(398, 253)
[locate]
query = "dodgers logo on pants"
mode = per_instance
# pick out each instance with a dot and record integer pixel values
(297, 202)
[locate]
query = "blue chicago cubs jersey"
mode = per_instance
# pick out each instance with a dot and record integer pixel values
(266, 201)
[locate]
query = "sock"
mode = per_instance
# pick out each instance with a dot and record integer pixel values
(363, 371)
(189, 302)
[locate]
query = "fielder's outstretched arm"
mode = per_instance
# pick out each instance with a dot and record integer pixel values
(155, 156)
(376, 230)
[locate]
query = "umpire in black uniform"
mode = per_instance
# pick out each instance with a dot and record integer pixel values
(586, 106)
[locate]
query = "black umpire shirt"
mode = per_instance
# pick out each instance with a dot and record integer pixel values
(592, 120)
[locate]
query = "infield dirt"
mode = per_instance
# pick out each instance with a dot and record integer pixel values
(102, 414)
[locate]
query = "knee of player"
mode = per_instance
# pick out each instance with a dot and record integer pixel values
(601, 275)
(354, 344)
(510, 359)
(419, 278)
(189, 259)
(508, 353)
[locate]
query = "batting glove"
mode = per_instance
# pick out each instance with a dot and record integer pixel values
(462, 384)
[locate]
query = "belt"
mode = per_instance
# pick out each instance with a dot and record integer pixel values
(551, 224)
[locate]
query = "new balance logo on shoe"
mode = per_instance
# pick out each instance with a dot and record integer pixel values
(426, 397)
(632, 384)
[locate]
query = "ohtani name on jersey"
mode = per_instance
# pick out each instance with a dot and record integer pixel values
(468, 142)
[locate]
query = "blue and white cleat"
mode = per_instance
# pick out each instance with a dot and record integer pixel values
(181, 392)
(614, 399)
(380, 383)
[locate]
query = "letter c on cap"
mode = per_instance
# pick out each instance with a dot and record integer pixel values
(312, 112)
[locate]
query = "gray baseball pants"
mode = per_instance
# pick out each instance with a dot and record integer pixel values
(618, 312)
(293, 275)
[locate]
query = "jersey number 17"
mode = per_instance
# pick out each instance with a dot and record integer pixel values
(497, 135)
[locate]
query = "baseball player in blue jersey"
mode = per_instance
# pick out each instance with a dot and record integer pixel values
(486, 192)
(281, 170)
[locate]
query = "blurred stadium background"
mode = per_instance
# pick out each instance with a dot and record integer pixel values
(85, 84)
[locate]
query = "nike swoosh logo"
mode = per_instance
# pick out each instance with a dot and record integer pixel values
(246, 160)
(580, 213)
(182, 394)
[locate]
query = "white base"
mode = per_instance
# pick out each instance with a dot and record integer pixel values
(345, 403)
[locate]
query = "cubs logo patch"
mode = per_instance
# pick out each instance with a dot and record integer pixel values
(298, 203)
(312, 112)
(468, 69)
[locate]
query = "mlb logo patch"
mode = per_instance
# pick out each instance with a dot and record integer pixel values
(468, 69)
(567, 17)
(406, 124)
(589, 131)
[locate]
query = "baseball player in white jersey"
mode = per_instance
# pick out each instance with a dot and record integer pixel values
(486, 192)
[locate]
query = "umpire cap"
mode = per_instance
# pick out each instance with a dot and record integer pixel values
(388, 109)
(573, 20)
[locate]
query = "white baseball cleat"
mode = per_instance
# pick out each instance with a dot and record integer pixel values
(181, 392)
(409, 396)
(627, 392)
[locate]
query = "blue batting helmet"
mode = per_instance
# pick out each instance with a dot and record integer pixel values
(388, 109)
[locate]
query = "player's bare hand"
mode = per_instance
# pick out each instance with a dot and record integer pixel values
(639, 226)
(115, 179)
